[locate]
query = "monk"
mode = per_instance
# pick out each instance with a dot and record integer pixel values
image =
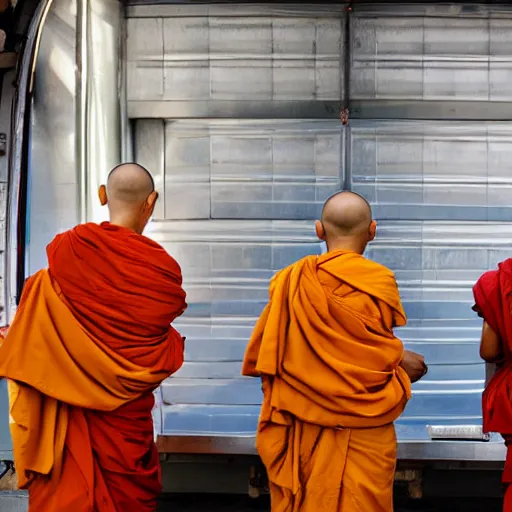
(334, 375)
(492, 294)
(89, 344)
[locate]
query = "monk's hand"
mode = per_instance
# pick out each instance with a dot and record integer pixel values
(414, 365)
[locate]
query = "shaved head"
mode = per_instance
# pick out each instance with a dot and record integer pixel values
(130, 195)
(346, 213)
(129, 184)
(346, 222)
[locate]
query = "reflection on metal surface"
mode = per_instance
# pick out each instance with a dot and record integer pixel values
(225, 109)
(14, 265)
(400, 60)
(429, 110)
(431, 58)
(187, 9)
(5, 129)
(64, 68)
(76, 125)
(434, 171)
(460, 432)
(53, 166)
(250, 169)
(150, 152)
(81, 140)
(240, 195)
(127, 149)
(103, 106)
(185, 62)
(246, 445)
(11, 183)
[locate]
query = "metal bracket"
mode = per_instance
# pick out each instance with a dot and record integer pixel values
(344, 116)
(3, 144)
(258, 481)
(414, 480)
(8, 60)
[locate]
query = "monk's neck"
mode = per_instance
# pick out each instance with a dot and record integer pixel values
(127, 223)
(347, 246)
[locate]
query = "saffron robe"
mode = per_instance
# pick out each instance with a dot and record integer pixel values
(493, 301)
(332, 385)
(90, 343)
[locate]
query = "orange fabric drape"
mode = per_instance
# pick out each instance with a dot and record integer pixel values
(90, 342)
(332, 385)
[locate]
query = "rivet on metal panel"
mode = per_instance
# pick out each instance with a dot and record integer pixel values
(344, 116)
(3, 144)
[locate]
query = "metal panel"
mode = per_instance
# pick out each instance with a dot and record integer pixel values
(433, 171)
(431, 110)
(14, 501)
(76, 126)
(194, 65)
(54, 205)
(429, 58)
(435, 266)
(466, 451)
(226, 266)
(241, 195)
(104, 86)
(250, 169)
(226, 280)
(423, 173)
(150, 152)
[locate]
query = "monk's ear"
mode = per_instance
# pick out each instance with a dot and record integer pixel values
(102, 194)
(151, 200)
(372, 231)
(320, 230)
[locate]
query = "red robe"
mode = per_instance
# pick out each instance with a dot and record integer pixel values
(493, 301)
(122, 291)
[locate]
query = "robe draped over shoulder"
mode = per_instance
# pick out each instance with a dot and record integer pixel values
(332, 385)
(493, 302)
(90, 343)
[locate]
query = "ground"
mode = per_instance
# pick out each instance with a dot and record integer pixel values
(17, 502)
(244, 504)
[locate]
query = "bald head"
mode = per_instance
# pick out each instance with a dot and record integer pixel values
(129, 184)
(130, 195)
(346, 213)
(346, 222)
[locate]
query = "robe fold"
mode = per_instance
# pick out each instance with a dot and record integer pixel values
(332, 385)
(90, 343)
(493, 301)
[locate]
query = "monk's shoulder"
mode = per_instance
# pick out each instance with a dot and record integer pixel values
(489, 279)
(504, 268)
(378, 267)
(293, 266)
(283, 274)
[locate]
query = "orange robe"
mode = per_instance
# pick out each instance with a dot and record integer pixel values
(90, 343)
(332, 385)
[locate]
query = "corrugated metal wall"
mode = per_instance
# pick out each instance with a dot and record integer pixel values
(238, 114)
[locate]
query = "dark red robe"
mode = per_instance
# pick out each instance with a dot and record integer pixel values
(493, 301)
(123, 291)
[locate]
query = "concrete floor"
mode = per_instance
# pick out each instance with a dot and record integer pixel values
(244, 504)
(17, 502)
